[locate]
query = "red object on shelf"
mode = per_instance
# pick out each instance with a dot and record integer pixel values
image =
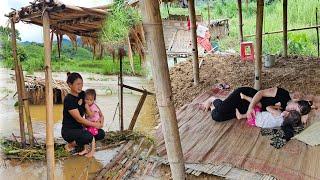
(244, 55)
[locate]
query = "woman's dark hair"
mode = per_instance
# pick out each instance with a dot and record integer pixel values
(292, 119)
(91, 92)
(72, 77)
(305, 106)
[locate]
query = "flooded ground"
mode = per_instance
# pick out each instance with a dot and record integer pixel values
(107, 100)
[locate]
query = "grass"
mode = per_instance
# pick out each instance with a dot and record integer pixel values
(300, 14)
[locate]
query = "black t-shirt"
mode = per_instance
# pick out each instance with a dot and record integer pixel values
(282, 96)
(73, 102)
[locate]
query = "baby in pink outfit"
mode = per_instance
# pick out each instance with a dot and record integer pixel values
(92, 110)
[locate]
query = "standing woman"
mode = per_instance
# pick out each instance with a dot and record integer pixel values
(73, 123)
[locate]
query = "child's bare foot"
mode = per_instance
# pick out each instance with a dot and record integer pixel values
(238, 114)
(84, 151)
(242, 96)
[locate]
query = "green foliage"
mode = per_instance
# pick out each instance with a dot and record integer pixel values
(117, 26)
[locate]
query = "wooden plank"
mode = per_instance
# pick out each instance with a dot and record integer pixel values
(137, 111)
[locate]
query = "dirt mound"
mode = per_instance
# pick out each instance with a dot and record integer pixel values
(294, 74)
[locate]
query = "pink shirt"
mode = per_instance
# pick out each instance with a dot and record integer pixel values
(93, 108)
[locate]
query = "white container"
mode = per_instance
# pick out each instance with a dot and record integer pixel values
(269, 60)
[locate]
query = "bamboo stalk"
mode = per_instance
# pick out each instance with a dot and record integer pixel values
(137, 111)
(285, 28)
(192, 15)
(258, 52)
(49, 97)
(208, 3)
(240, 20)
(130, 55)
(317, 29)
(160, 72)
(25, 100)
(18, 81)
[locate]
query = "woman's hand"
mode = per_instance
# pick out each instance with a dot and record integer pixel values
(98, 124)
(250, 113)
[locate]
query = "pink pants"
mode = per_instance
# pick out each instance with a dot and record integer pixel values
(252, 121)
(92, 130)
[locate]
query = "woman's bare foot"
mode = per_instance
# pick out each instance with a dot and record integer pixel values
(242, 96)
(84, 151)
(69, 146)
(239, 115)
(91, 153)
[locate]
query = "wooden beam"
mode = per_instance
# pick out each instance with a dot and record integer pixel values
(121, 54)
(137, 111)
(240, 20)
(317, 33)
(137, 89)
(18, 81)
(154, 36)
(290, 30)
(285, 28)
(258, 52)
(49, 97)
(192, 16)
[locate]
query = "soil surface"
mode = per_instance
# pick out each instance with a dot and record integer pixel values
(295, 73)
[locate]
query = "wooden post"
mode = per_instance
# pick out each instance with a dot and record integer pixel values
(317, 29)
(25, 100)
(175, 60)
(285, 28)
(49, 97)
(192, 17)
(240, 20)
(258, 53)
(18, 81)
(59, 45)
(130, 55)
(161, 78)
(121, 54)
(137, 111)
(208, 1)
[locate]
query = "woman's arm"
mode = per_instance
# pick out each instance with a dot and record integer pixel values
(273, 111)
(76, 115)
(271, 92)
(101, 116)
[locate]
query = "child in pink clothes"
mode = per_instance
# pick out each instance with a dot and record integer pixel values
(92, 110)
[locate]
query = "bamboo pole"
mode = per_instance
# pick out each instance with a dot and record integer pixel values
(290, 30)
(18, 81)
(137, 111)
(317, 32)
(240, 20)
(25, 100)
(208, 3)
(130, 55)
(49, 97)
(155, 40)
(258, 52)
(285, 28)
(192, 16)
(121, 54)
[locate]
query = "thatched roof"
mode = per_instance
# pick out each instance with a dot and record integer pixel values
(64, 19)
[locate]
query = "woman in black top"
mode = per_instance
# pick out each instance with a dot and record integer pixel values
(73, 122)
(226, 109)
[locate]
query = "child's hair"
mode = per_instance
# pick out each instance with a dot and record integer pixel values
(305, 106)
(293, 119)
(91, 92)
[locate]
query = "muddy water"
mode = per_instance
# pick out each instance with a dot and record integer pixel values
(107, 100)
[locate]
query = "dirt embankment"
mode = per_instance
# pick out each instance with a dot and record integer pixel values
(294, 74)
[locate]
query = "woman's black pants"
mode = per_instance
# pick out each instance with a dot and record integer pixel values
(81, 136)
(226, 110)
